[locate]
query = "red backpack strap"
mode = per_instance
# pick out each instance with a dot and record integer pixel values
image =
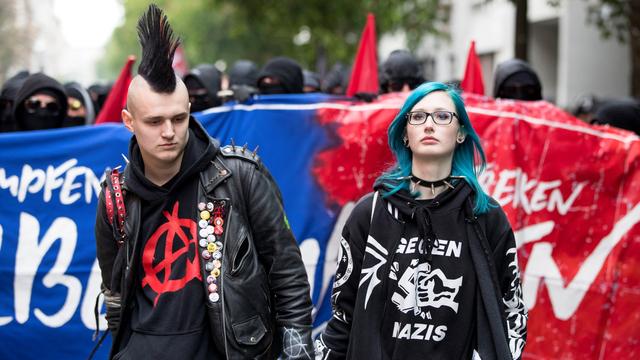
(116, 191)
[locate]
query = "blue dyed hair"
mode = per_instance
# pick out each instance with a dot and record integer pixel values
(464, 156)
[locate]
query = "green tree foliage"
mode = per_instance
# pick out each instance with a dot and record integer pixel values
(314, 32)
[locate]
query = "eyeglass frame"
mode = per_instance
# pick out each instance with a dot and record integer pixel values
(408, 117)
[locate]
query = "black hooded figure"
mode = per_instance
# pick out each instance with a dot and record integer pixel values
(7, 98)
(623, 114)
(243, 72)
(203, 82)
(515, 79)
(281, 75)
(32, 114)
(401, 72)
(311, 81)
(80, 111)
(336, 80)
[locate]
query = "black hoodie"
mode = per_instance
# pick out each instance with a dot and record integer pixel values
(396, 296)
(287, 71)
(169, 299)
(39, 83)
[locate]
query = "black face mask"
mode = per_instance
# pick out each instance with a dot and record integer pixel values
(200, 103)
(270, 89)
(40, 119)
(70, 121)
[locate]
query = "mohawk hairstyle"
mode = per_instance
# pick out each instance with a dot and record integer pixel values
(158, 47)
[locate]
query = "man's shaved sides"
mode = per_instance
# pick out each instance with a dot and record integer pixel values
(139, 87)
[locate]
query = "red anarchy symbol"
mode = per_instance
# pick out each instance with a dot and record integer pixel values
(174, 226)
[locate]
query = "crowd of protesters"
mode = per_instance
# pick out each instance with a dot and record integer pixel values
(36, 101)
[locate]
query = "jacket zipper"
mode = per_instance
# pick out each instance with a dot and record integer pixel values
(224, 327)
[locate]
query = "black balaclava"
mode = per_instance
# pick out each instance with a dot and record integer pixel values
(287, 72)
(99, 95)
(336, 80)
(209, 78)
(623, 114)
(41, 119)
(243, 72)
(515, 79)
(402, 68)
(76, 91)
(7, 98)
(311, 81)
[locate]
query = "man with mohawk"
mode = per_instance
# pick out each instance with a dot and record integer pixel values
(197, 257)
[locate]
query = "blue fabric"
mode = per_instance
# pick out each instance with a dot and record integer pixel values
(49, 185)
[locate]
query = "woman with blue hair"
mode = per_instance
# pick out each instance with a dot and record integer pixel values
(427, 267)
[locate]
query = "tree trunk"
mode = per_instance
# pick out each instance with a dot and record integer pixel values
(634, 42)
(522, 29)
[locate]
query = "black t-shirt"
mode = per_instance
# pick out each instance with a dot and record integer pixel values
(169, 318)
(430, 307)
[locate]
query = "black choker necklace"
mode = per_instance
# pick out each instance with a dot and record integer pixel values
(432, 184)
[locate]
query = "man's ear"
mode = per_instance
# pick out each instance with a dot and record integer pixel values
(127, 119)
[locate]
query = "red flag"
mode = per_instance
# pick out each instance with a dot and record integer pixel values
(117, 98)
(472, 82)
(180, 65)
(364, 76)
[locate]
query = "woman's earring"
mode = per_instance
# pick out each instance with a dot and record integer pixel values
(460, 139)
(405, 141)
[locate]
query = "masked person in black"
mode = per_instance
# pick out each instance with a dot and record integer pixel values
(401, 72)
(622, 113)
(203, 83)
(41, 103)
(311, 81)
(80, 110)
(336, 80)
(7, 98)
(243, 77)
(99, 93)
(515, 79)
(196, 255)
(281, 75)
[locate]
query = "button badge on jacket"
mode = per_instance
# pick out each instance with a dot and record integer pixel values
(211, 226)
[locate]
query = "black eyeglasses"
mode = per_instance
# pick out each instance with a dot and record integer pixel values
(32, 105)
(439, 117)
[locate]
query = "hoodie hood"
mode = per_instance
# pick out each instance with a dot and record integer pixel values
(198, 153)
(516, 72)
(421, 212)
(623, 114)
(243, 72)
(39, 83)
(287, 71)
(208, 76)
(77, 91)
(407, 204)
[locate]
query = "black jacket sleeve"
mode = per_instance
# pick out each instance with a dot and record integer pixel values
(333, 343)
(106, 251)
(505, 255)
(279, 253)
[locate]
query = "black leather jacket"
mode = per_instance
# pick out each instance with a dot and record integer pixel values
(265, 297)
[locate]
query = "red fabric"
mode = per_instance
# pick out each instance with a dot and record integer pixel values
(117, 98)
(570, 191)
(364, 76)
(472, 82)
(180, 65)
